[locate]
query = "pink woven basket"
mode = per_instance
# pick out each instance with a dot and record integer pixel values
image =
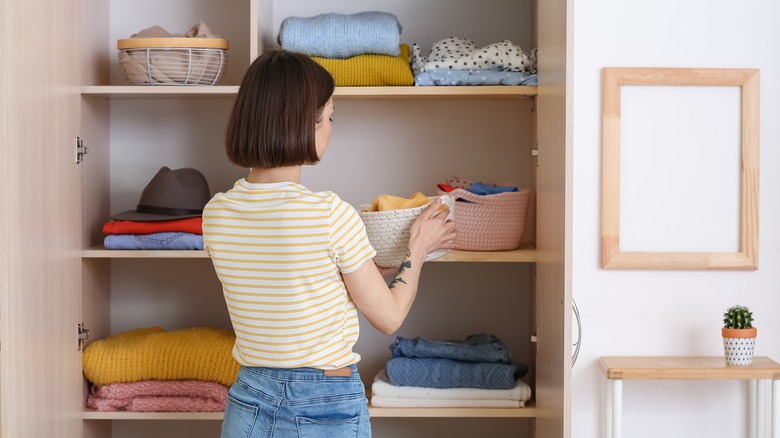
(490, 222)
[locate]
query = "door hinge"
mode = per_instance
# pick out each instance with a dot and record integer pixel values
(535, 152)
(82, 334)
(81, 150)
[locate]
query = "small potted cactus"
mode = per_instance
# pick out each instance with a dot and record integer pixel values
(739, 335)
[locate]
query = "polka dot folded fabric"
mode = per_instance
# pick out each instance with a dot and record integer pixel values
(464, 54)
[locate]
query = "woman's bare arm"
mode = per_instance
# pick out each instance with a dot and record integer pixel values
(386, 306)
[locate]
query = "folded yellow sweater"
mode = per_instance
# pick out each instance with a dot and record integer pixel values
(390, 202)
(201, 353)
(370, 70)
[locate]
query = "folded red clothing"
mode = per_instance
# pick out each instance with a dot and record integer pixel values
(193, 225)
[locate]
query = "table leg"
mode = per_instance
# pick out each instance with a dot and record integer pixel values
(617, 408)
(608, 408)
(775, 408)
(751, 400)
(761, 408)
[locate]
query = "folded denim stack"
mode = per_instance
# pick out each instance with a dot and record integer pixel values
(181, 234)
(475, 372)
(361, 49)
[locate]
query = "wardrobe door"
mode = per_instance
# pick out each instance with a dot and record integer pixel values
(40, 388)
(553, 302)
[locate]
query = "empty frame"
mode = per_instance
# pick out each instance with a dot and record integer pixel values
(699, 85)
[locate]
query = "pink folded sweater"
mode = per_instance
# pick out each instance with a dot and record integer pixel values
(159, 396)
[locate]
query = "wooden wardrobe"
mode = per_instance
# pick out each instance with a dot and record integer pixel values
(61, 89)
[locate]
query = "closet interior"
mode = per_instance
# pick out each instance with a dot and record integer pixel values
(385, 140)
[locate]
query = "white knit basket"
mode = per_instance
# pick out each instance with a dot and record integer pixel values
(388, 232)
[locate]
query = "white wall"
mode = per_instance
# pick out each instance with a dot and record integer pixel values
(669, 312)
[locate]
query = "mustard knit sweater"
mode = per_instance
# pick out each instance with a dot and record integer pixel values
(370, 69)
(202, 353)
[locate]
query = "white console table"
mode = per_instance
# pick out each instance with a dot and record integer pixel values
(616, 369)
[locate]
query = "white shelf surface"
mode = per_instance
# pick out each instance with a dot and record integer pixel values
(525, 254)
(527, 412)
(411, 92)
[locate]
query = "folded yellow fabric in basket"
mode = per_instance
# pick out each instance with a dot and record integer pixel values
(390, 202)
(370, 69)
(201, 353)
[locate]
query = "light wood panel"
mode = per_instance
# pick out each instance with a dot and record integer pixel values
(685, 368)
(40, 214)
(553, 234)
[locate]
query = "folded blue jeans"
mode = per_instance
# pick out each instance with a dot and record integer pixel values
(296, 402)
(480, 347)
(166, 240)
(446, 373)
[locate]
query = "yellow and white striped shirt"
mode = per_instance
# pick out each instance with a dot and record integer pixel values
(279, 250)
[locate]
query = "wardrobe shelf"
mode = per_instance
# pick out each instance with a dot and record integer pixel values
(158, 91)
(455, 92)
(89, 414)
(527, 412)
(99, 252)
(525, 254)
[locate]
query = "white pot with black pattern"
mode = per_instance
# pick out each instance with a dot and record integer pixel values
(738, 345)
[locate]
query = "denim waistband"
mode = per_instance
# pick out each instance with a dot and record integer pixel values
(298, 374)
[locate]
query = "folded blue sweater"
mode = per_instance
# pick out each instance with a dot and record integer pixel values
(446, 373)
(340, 36)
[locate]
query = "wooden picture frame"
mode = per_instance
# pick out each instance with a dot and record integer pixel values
(746, 257)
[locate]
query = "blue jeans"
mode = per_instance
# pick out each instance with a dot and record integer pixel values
(296, 403)
(480, 347)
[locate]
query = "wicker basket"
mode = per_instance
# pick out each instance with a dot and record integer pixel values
(388, 232)
(490, 222)
(173, 61)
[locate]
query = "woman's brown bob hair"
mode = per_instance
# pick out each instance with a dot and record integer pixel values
(278, 105)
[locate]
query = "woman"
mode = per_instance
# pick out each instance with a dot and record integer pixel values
(296, 265)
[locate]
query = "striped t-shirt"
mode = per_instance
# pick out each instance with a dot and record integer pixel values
(279, 250)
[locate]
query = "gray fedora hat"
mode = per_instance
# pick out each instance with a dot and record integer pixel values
(171, 194)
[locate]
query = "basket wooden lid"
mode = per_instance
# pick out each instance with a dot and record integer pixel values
(172, 43)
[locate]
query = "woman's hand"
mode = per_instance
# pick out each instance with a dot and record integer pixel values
(432, 230)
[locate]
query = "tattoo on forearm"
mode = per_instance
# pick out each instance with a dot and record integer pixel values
(398, 275)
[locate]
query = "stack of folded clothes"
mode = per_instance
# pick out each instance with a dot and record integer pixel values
(151, 370)
(168, 215)
(458, 61)
(475, 187)
(361, 49)
(475, 372)
(178, 234)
